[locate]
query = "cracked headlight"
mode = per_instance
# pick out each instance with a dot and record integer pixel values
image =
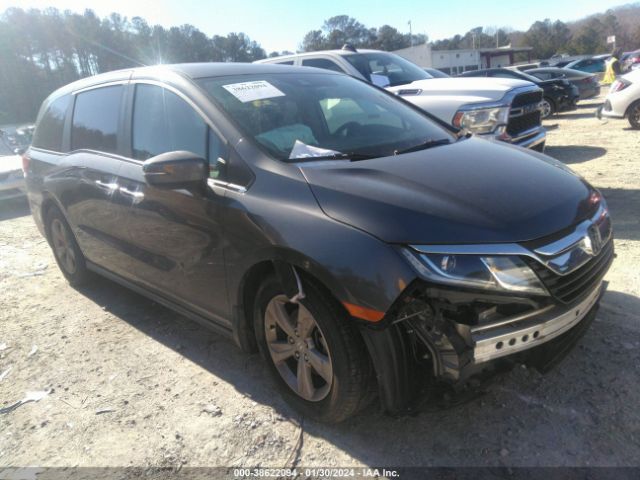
(481, 120)
(492, 272)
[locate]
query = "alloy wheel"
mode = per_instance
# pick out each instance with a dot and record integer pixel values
(545, 108)
(298, 348)
(62, 246)
(634, 116)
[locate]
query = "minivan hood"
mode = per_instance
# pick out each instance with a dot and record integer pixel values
(474, 191)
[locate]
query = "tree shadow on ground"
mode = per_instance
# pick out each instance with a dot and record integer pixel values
(624, 206)
(14, 208)
(574, 153)
(535, 419)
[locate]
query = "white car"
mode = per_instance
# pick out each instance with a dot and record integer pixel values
(496, 108)
(623, 99)
(11, 177)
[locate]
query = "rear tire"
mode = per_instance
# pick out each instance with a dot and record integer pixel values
(313, 351)
(634, 115)
(66, 251)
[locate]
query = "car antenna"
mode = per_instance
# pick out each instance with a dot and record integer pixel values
(349, 47)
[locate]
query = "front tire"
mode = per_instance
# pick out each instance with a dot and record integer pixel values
(313, 351)
(66, 251)
(548, 108)
(634, 115)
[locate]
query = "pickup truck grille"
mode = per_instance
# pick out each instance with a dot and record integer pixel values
(526, 98)
(522, 123)
(571, 287)
(524, 114)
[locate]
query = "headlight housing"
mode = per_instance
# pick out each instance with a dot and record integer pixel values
(491, 272)
(481, 120)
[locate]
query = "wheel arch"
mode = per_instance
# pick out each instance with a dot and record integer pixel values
(49, 201)
(285, 264)
(630, 107)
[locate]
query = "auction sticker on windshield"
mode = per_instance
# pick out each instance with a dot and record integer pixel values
(250, 91)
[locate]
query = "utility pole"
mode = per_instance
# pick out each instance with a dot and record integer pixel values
(410, 33)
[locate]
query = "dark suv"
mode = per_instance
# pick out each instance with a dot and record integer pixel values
(354, 239)
(559, 94)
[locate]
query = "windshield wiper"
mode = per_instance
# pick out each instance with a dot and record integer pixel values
(423, 146)
(353, 156)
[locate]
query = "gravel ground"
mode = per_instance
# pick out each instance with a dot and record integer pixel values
(132, 383)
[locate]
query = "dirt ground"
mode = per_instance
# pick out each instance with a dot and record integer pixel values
(133, 383)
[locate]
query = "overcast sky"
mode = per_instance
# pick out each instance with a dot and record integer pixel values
(281, 24)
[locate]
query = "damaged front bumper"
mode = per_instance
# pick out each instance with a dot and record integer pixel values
(421, 347)
(512, 335)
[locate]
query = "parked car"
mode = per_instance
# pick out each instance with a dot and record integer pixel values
(435, 73)
(586, 83)
(630, 61)
(559, 94)
(523, 67)
(357, 241)
(501, 109)
(562, 61)
(11, 177)
(623, 100)
(589, 64)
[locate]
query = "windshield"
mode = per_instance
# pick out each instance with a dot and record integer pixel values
(295, 116)
(386, 69)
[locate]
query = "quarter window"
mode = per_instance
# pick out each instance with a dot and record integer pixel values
(95, 119)
(48, 135)
(321, 63)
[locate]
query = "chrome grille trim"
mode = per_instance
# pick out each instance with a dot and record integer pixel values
(562, 256)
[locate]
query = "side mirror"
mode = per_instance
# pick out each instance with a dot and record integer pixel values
(20, 150)
(176, 170)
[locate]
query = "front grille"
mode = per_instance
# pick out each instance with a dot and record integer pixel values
(526, 99)
(571, 287)
(522, 123)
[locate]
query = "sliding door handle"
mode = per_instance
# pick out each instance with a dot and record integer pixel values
(111, 186)
(131, 193)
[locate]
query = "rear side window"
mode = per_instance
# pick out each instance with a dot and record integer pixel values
(163, 122)
(49, 133)
(288, 62)
(95, 119)
(322, 63)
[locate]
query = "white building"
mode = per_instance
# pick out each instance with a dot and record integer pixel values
(454, 62)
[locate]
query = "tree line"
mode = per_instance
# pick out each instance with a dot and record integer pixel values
(43, 50)
(40, 50)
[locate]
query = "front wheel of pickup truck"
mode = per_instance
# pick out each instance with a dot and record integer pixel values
(316, 356)
(547, 107)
